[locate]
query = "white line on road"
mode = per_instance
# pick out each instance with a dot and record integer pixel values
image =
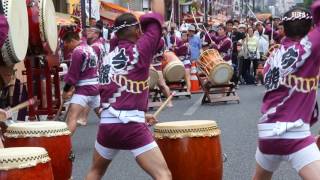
(193, 108)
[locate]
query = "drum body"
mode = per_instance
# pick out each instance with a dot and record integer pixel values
(153, 78)
(51, 135)
(191, 149)
(214, 67)
(42, 27)
(173, 68)
(15, 47)
(25, 164)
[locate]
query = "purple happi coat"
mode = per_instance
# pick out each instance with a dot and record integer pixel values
(291, 81)
(224, 46)
(83, 72)
(4, 29)
(209, 37)
(99, 49)
(125, 70)
(158, 57)
(183, 52)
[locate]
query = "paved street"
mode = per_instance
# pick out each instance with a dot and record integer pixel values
(237, 122)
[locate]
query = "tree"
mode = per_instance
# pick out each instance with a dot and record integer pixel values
(307, 3)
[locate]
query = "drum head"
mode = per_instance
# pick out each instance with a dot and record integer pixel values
(22, 157)
(15, 48)
(174, 71)
(154, 77)
(221, 74)
(37, 129)
(180, 129)
(48, 25)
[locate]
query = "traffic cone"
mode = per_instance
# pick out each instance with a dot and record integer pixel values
(195, 85)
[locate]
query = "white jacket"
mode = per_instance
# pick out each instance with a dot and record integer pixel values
(263, 42)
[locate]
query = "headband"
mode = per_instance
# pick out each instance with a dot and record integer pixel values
(297, 15)
(124, 25)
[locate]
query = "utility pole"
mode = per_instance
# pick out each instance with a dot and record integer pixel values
(206, 11)
(253, 5)
(90, 9)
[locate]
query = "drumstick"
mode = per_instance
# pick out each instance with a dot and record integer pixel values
(6, 114)
(165, 103)
(205, 29)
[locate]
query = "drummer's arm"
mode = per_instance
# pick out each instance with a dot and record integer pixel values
(3, 115)
(73, 75)
(314, 34)
(147, 44)
(157, 6)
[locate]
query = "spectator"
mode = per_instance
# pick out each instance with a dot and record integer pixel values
(194, 43)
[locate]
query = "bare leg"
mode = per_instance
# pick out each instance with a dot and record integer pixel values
(262, 174)
(83, 119)
(1, 143)
(311, 171)
(154, 164)
(188, 81)
(163, 87)
(98, 168)
(74, 112)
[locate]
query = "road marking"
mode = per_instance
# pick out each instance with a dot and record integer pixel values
(191, 110)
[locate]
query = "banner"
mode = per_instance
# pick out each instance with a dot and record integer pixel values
(95, 9)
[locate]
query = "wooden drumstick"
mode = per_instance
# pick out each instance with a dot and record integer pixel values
(6, 114)
(165, 103)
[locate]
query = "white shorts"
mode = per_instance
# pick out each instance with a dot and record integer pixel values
(298, 160)
(84, 101)
(109, 154)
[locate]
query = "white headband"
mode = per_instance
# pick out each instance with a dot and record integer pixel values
(297, 15)
(117, 28)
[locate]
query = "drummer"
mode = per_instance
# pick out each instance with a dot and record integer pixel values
(81, 81)
(95, 40)
(124, 78)
(224, 44)
(290, 106)
(157, 65)
(184, 54)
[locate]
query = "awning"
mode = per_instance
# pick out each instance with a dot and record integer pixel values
(113, 7)
(110, 11)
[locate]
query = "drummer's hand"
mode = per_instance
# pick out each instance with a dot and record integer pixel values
(3, 115)
(150, 119)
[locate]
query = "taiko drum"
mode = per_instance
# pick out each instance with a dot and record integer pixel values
(173, 68)
(15, 47)
(43, 33)
(51, 135)
(25, 163)
(191, 149)
(214, 67)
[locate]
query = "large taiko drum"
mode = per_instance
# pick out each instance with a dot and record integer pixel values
(214, 67)
(42, 27)
(51, 135)
(173, 68)
(25, 163)
(191, 149)
(15, 47)
(153, 78)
